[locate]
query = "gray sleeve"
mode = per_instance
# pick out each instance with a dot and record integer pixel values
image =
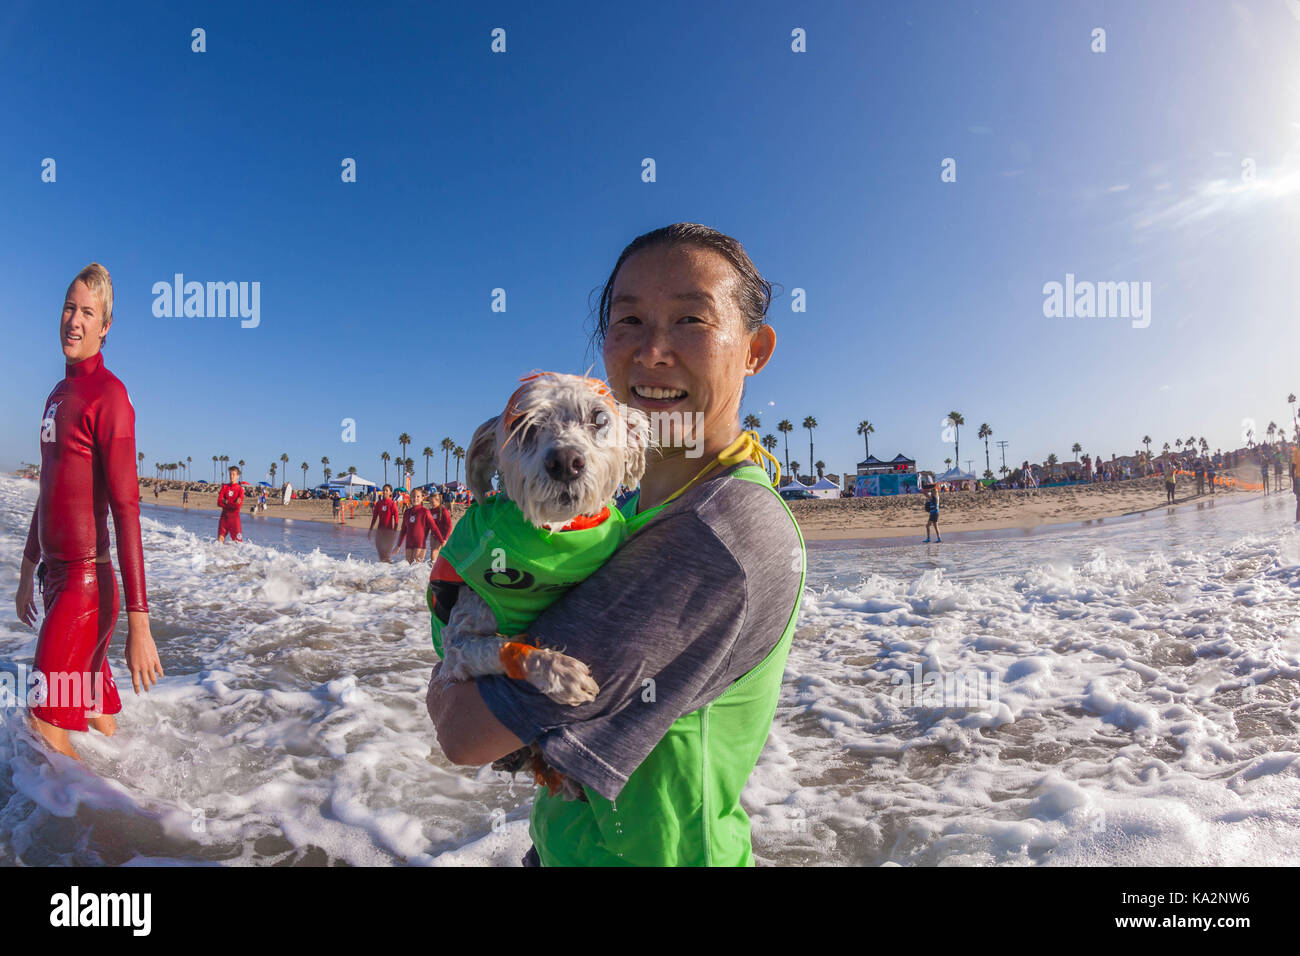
(666, 625)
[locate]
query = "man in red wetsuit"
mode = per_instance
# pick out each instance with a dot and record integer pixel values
(417, 523)
(230, 498)
(385, 513)
(88, 467)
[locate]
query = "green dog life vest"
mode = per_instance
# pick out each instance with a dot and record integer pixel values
(681, 806)
(519, 569)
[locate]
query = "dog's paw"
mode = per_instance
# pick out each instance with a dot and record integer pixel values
(560, 677)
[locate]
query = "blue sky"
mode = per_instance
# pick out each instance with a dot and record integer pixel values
(522, 171)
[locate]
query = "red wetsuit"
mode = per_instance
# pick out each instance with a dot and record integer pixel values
(417, 524)
(385, 512)
(88, 467)
(441, 526)
(231, 499)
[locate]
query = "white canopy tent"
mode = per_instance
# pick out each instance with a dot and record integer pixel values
(957, 478)
(351, 484)
(825, 488)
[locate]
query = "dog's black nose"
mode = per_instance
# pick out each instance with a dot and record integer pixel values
(564, 464)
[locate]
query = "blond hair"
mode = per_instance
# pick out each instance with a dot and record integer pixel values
(98, 281)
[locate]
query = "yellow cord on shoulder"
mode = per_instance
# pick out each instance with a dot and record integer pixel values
(742, 449)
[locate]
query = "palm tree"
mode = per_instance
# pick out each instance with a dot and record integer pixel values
(403, 440)
(821, 467)
(304, 474)
(446, 445)
(427, 453)
(957, 422)
(385, 458)
(865, 429)
(241, 464)
(189, 462)
(785, 427)
(1272, 430)
(986, 433)
(1051, 463)
(1146, 440)
(284, 457)
(325, 464)
(752, 423)
(327, 475)
(1291, 401)
(215, 459)
(1076, 448)
(458, 453)
(948, 462)
(272, 472)
(810, 423)
(352, 469)
(139, 468)
(768, 441)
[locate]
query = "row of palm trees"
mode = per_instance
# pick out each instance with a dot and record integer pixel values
(221, 462)
(954, 418)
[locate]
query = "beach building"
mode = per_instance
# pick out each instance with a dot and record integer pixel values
(894, 477)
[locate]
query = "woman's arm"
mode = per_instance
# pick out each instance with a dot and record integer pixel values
(467, 731)
(688, 605)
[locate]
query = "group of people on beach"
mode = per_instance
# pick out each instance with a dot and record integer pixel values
(420, 527)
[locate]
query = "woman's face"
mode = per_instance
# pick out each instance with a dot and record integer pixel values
(676, 346)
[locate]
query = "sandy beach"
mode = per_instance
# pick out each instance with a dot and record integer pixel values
(853, 518)
(866, 518)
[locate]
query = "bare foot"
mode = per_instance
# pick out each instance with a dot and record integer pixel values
(106, 724)
(55, 737)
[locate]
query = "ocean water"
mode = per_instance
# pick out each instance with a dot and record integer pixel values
(1121, 693)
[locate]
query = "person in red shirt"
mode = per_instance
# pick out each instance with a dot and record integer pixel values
(417, 525)
(441, 515)
(230, 498)
(88, 467)
(385, 514)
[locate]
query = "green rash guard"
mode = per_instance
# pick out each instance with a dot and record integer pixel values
(518, 568)
(681, 806)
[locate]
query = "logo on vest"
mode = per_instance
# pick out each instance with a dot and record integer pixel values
(47, 424)
(515, 580)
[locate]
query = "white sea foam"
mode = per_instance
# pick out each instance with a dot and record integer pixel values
(1146, 707)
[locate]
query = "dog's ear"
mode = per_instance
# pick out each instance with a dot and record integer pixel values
(637, 444)
(481, 458)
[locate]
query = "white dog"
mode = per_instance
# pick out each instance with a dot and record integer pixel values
(562, 447)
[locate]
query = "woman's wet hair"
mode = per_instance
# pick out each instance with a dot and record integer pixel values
(753, 292)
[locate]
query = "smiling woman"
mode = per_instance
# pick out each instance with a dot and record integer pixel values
(687, 627)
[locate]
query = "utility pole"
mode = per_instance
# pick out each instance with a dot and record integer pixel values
(1003, 445)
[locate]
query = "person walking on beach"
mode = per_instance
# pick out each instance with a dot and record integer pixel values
(185, 497)
(1263, 472)
(1209, 474)
(1295, 479)
(1200, 476)
(1169, 487)
(385, 514)
(441, 525)
(338, 506)
(230, 499)
(88, 468)
(417, 524)
(932, 509)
